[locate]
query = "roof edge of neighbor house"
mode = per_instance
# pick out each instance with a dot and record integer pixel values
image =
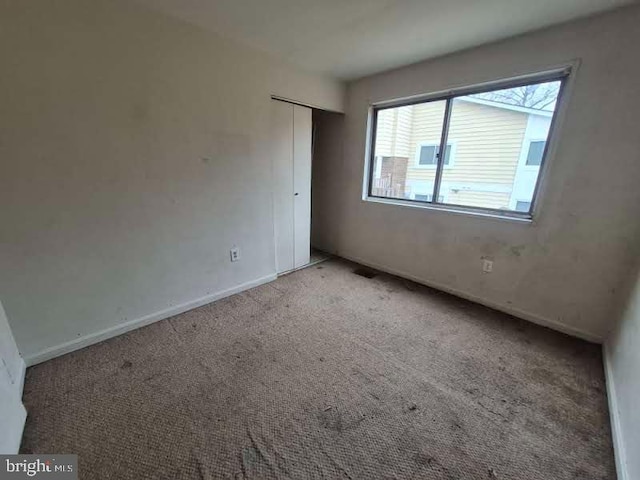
(506, 106)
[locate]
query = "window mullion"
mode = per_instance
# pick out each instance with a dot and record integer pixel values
(443, 150)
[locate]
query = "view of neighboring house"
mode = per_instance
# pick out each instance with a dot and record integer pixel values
(492, 160)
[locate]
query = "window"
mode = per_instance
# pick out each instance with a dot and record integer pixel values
(491, 128)
(536, 151)
(429, 154)
(427, 198)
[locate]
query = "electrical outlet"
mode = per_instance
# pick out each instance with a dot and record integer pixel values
(235, 254)
(487, 266)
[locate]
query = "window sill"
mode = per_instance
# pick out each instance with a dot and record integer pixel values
(524, 219)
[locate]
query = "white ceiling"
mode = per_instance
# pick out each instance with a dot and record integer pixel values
(352, 38)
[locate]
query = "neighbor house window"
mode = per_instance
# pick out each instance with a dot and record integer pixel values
(536, 152)
(429, 154)
(490, 136)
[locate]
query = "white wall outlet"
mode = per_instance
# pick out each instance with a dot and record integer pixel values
(235, 254)
(487, 265)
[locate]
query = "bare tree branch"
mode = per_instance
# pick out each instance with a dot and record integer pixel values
(539, 96)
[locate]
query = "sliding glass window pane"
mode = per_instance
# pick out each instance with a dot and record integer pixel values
(497, 146)
(407, 144)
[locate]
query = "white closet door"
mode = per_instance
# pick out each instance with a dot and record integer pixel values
(302, 126)
(282, 140)
(12, 412)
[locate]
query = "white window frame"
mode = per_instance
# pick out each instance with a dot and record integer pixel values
(432, 143)
(563, 73)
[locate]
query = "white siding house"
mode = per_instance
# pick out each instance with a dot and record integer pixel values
(492, 159)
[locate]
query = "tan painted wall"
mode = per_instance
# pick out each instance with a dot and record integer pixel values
(134, 153)
(564, 269)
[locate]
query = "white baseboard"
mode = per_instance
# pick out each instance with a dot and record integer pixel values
(616, 433)
(90, 339)
(591, 337)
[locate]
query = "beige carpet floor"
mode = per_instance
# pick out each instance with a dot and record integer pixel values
(327, 374)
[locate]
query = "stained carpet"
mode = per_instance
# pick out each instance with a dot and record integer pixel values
(326, 373)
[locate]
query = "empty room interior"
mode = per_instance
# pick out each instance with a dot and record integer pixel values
(291, 239)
